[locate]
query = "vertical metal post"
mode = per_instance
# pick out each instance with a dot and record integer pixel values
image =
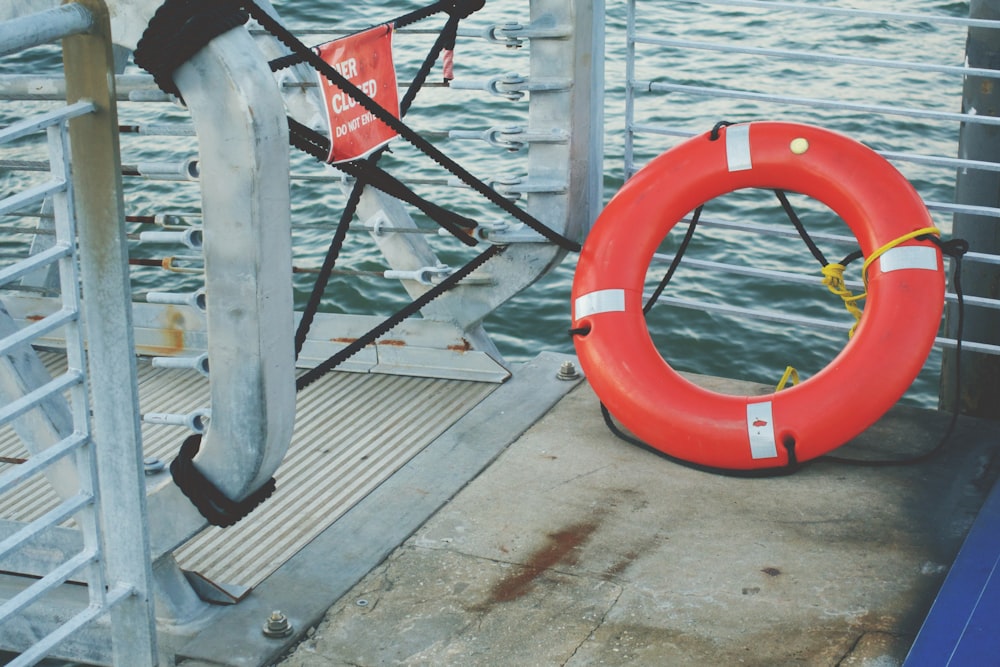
(629, 90)
(89, 70)
(980, 373)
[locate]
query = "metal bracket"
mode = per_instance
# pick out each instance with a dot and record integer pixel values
(425, 275)
(512, 85)
(513, 187)
(503, 233)
(513, 34)
(196, 420)
(512, 138)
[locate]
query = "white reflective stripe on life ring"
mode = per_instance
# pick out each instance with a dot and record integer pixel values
(760, 428)
(601, 301)
(738, 148)
(909, 257)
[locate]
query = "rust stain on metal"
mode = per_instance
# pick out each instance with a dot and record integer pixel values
(34, 318)
(388, 341)
(464, 346)
(171, 333)
(174, 330)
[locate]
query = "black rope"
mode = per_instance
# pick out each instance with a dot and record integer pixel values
(800, 228)
(326, 270)
(717, 129)
(451, 7)
(681, 249)
(214, 505)
(778, 471)
(368, 173)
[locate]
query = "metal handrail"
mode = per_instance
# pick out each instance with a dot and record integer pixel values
(843, 11)
(702, 87)
(44, 28)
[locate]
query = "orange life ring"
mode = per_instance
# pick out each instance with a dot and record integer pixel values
(896, 332)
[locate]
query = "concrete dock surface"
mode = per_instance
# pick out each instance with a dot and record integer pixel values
(576, 548)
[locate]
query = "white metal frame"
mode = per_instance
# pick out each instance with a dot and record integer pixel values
(103, 490)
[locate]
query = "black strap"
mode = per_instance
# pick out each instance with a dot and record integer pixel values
(214, 505)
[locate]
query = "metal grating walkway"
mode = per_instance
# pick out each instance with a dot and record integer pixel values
(352, 432)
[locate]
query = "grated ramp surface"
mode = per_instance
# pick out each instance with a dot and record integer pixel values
(352, 432)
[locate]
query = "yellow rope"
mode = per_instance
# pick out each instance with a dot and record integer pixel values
(833, 278)
(790, 374)
(833, 275)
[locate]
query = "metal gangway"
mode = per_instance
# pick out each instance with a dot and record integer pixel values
(89, 450)
(398, 394)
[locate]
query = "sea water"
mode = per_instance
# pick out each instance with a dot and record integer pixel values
(538, 319)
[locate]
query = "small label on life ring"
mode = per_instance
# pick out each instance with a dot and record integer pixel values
(760, 429)
(601, 301)
(738, 148)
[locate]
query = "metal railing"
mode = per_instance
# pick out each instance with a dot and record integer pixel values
(866, 73)
(90, 454)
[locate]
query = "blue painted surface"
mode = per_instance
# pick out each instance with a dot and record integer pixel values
(963, 625)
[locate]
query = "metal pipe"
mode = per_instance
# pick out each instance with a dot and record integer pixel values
(845, 11)
(199, 363)
(128, 88)
(196, 421)
(815, 102)
(193, 299)
(242, 130)
(185, 170)
(43, 28)
(191, 237)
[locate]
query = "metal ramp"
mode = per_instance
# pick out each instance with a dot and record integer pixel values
(356, 434)
(352, 432)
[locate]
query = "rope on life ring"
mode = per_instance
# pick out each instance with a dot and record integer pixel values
(905, 298)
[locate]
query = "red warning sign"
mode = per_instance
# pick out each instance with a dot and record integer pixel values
(364, 59)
